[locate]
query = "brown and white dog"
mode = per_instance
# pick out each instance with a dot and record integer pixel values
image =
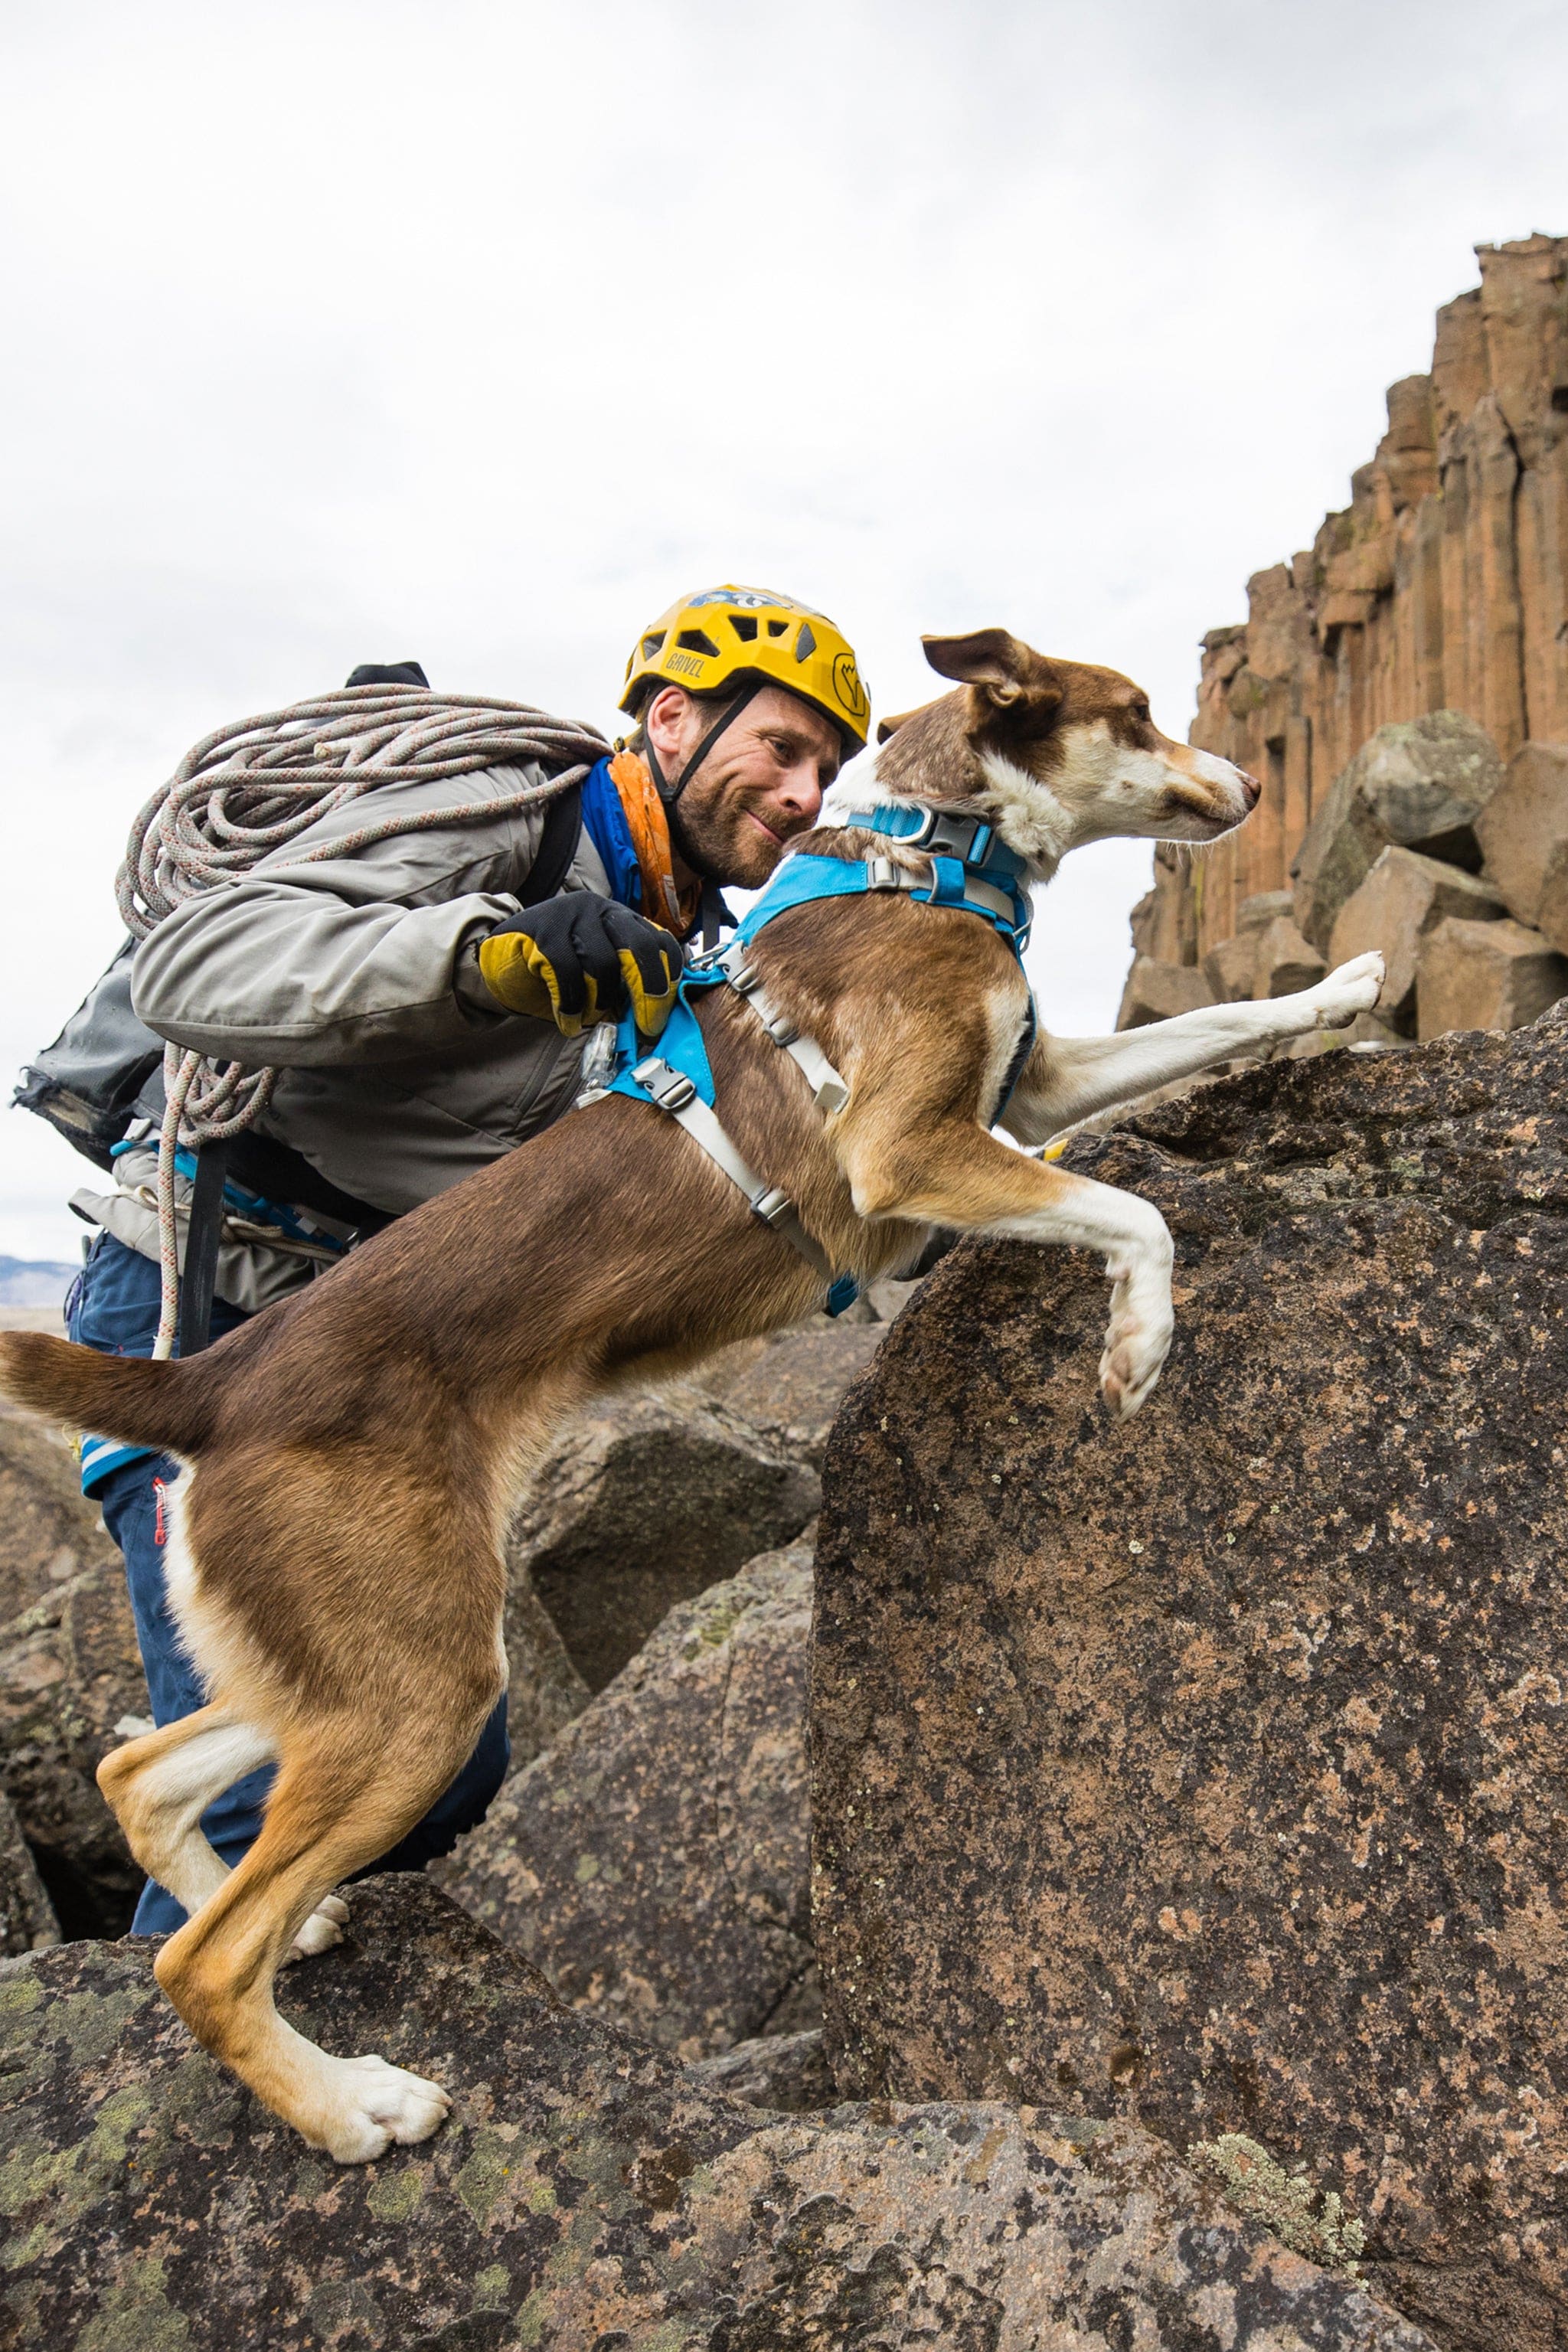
(352, 1454)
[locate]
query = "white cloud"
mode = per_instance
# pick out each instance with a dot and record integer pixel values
(343, 331)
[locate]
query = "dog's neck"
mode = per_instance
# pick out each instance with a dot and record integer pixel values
(1026, 814)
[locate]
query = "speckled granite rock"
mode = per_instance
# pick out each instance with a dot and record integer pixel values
(787, 2072)
(69, 1673)
(1208, 1770)
(582, 2196)
(28, 1921)
(646, 1501)
(790, 1385)
(655, 1861)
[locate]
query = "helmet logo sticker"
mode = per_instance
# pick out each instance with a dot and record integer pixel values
(846, 685)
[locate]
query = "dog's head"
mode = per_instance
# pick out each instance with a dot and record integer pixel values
(1055, 753)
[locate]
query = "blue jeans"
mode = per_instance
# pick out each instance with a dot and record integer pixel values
(114, 1307)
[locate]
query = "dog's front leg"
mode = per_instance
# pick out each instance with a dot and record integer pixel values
(959, 1176)
(1070, 1078)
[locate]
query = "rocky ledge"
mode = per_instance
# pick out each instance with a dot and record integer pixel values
(586, 2193)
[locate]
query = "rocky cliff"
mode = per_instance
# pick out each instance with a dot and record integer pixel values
(1442, 586)
(1206, 1770)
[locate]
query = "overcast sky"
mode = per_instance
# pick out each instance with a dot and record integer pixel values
(477, 332)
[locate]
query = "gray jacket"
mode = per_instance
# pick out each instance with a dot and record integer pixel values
(358, 978)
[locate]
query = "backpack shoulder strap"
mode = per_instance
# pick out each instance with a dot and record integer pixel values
(557, 847)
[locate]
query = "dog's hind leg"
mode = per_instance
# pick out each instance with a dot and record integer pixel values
(348, 1787)
(160, 1786)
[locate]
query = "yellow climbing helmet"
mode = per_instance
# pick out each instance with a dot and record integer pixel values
(748, 635)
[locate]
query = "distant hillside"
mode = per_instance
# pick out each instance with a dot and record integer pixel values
(34, 1282)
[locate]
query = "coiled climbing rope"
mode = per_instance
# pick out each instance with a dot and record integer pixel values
(248, 790)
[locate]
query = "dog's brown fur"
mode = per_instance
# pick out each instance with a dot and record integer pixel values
(336, 1561)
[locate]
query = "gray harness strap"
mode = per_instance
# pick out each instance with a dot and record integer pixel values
(675, 1094)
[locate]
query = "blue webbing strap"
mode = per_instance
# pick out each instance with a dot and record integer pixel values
(971, 869)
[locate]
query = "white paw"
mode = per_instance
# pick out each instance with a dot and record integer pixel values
(1354, 988)
(1138, 1336)
(322, 1931)
(374, 2103)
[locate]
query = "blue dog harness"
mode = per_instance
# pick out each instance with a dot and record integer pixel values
(971, 868)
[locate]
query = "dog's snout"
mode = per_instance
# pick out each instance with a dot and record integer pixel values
(1251, 790)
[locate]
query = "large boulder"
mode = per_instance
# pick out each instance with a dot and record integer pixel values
(655, 1861)
(72, 1687)
(1420, 783)
(583, 2194)
(1207, 1769)
(644, 1501)
(1484, 975)
(1403, 898)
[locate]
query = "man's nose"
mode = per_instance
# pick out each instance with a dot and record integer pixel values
(800, 791)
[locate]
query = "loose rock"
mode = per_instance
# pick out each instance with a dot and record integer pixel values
(584, 2193)
(1283, 961)
(655, 1861)
(786, 2072)
(1206, 1770)
(1488, 975)
(1402, 900)
(1156, 992)
(645, 1502)
(790, 1384)
(1420, 783)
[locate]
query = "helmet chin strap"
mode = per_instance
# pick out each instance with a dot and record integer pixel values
(671, 793)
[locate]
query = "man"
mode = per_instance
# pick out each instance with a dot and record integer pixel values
(427, 999)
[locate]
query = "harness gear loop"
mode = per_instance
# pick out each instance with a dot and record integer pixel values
(249, 789)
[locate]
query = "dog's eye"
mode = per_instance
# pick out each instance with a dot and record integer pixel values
(1140, 712)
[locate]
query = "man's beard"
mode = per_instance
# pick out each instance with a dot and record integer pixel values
(714, 832)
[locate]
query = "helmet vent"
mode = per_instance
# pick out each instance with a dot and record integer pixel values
(693, 641)
(744, 626)
(777, 628)
(805, 644)
(651, 646)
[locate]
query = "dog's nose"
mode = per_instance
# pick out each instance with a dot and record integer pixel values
(1251, 790)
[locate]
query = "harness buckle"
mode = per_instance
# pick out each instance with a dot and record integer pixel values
(742, 979)
(881, 874)
(670, 1089)
(782, 1029)
(774, 1207)
(965, 837)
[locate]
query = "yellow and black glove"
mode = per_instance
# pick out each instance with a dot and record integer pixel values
(579, 959)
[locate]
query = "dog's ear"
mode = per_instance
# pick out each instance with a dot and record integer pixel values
(886, 727)
(999, 666)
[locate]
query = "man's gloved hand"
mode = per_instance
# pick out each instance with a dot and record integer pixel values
(579, 959)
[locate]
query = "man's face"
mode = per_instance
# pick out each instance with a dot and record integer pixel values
(761, 784)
